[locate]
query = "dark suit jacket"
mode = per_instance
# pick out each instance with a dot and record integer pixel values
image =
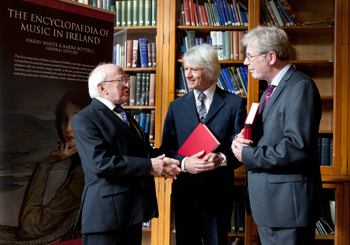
(225, 118)
(119, 190)
(284, 179)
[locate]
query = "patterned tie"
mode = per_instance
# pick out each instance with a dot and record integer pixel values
(202, 111)
(121, 111)
(268, 95)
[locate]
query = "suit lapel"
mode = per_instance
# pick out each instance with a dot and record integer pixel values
(189, 106)
(278, 90)
(119, 123)
(217, 103)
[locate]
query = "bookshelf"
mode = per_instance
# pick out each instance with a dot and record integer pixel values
(322, 52)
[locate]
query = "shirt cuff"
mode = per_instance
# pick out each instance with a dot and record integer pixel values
(224, 162)
(183, 165)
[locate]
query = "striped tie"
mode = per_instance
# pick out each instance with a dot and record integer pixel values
(120, 110)
(202, 111)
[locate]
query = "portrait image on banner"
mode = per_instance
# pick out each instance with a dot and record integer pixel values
(47, 50)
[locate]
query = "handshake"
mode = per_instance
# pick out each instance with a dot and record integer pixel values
(165, 166)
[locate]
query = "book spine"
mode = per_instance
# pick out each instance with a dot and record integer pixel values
(138, 88)
(152, 125)
(325, 154)
(152, 89)
(286, 12)
(147, 122)
(134, 53)
(147, 89)
(132, 92)
(272, 14)
(191, 7)
(275, 11)
(129, 51)
(187, 13)
(219, 45)
(289, 8)
(227, 45)
(228, 81)
(123, 13)
(141, 12)
(154, 54)
(135, 12)
(143, 90)
(148, 12)
(142, 120)
(154, 13)
(241, 50)
(236, 12)
(149, 54)
(129, 10)
(117, 13)
(143, 52)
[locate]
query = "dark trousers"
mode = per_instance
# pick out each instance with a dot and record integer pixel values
(131, 235)
(287, 236)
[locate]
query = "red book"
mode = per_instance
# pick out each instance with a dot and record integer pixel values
(200, 139)
(129, 51)
(187, 13)
(250, 120)
(152, 89)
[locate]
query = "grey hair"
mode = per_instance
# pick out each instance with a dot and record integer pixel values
(268, 38)
(206, 57)
(96, 76)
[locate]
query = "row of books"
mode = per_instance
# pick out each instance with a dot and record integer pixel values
(137, 53)
(142, 89)
(234, 80)
(128, 12)
(323, 227)
(325, 151)
(279, 13)
(227, 43)
(146, 120)
(213, 13)
(231, 79)
(238, 218)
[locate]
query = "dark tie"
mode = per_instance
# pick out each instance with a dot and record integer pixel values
(268, 95)
(121, 111)
(202, 111)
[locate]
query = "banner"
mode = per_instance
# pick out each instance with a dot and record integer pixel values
(47, 50)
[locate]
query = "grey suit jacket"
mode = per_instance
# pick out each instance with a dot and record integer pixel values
(119, 190)
(283, 172)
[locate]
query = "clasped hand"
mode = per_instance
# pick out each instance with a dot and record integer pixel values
(195, 165)
(237, 145)
(165, 166)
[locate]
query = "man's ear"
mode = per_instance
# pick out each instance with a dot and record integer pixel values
(272, 57)
(102, 88)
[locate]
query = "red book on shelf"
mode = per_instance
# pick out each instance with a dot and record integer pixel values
(129, 51)
(187, 13)
(200, 139)
(250, 120)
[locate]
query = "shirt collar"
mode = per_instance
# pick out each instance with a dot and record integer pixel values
(106, 102)
(209, 92)
(279, 76)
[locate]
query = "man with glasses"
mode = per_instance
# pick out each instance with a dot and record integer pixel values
(283, 173)
(118, 163)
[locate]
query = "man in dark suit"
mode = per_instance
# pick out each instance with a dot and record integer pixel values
(283, 172)
(203, 193)
(118, 163)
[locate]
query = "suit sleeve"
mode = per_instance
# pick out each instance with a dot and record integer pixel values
(107, 161)
(288, 138)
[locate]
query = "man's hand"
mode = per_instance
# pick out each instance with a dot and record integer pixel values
(168, 167)
(237, 145)
(195, 165)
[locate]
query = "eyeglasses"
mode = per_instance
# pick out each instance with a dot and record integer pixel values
(251, 58)
(122, 80)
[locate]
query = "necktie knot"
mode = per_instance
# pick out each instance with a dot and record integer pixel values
(120, 110)
(268, 94)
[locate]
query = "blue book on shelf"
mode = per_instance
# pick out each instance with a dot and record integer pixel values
(142, 120)
(143, 52)
(325, 152)
(230, 15)
(147, 123)
(227, 81)
(184, 79)
(235, 22)
(223, 83)
(218, 14)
